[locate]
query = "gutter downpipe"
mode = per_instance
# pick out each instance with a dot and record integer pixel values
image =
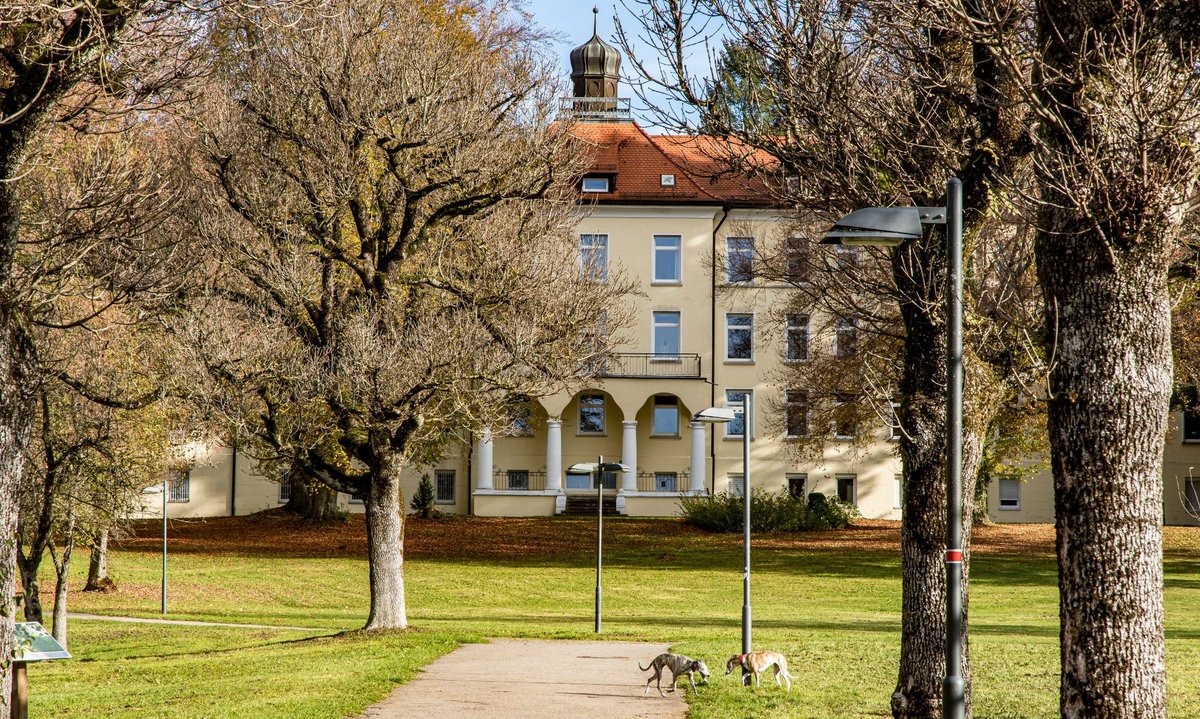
(712, 326)
(470, 468)
(233, 484)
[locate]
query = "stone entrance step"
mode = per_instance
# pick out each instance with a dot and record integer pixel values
(585, 505)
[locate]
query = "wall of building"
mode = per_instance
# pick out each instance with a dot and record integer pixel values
(210, 487)
(1181, 462)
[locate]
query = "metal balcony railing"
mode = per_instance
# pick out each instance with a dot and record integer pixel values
(648, 365)
(518, 480)
(611, 109)
(663, 481)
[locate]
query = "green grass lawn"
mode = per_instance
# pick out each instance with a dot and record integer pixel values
(833, 609)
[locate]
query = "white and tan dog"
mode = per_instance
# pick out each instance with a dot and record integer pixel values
(678, 664)
(755, 663)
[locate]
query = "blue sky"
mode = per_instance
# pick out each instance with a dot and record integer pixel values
(572, 21)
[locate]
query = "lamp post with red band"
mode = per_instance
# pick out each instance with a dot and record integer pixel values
(891, 227)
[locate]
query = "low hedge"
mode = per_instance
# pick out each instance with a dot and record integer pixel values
(769, 512)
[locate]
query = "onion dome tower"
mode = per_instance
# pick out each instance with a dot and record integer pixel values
(595, 72)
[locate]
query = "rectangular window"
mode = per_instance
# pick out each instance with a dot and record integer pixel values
(593, 257)
(179, 487)
(898, 491)
(666, 334)
(797, 338)
(739, 260)
(739, 337)
(1191, 496)
(579, 480)
(1010, 494)
(522, 421)
(667, 263)
(444, 486)
(848, 257)
(797, 413)
(591, 414)
(798, 485)
(846, 338)
(1191, 422)
(737, 426)
(666, 416)
(609, 479)
(847, 488)
(736, 483)
(518, 479)
(595, 184)
(797, 259)
(894, 422)
(355, 499)
(285, 492)
(665, 481)
(845, 417)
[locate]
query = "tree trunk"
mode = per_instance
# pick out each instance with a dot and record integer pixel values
(918, 692)
(981, 516)
(98, 580)
(385, 546)
(310, 499)
(1107, 225)
(62, 569)
(29, 566)
(1111, 385)
(15, 427)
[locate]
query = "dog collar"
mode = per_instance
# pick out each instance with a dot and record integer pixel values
(742, 659)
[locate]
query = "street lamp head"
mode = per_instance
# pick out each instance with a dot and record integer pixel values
(717, 415)
(589, 467)
(877, 226)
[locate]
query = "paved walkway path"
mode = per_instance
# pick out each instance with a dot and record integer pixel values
(189, 623)
(530, 679)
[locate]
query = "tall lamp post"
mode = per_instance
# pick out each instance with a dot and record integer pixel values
(162, 489)
(722, 415)
(890, 227)
(597, 470)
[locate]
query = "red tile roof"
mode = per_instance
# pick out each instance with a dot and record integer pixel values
(637, 160)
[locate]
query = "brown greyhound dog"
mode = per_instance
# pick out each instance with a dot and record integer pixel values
(754, 663)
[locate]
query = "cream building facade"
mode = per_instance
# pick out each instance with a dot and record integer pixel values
(701, 337)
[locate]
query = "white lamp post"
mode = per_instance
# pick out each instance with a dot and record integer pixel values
(722, 415)
(597, 470)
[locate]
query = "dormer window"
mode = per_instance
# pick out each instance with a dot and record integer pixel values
(667, 180)
(596, 184)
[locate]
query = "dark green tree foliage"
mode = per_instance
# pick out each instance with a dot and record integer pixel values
(424, 500)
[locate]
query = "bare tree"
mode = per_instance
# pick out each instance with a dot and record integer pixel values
(1116, 170)
(87, 464)
(68, 62)
(871, 104)
(391, 206)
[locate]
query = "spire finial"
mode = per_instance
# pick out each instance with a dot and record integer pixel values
(596, 20)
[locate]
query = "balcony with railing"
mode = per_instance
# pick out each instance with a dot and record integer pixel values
(595, 109)
(647, 365)
(663, 481)
(519, 480)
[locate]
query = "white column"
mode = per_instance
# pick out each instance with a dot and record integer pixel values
(629, 455)
(696, 486)
(483, 461)
(554, 473)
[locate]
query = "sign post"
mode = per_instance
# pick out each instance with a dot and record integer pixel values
(34, 644)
